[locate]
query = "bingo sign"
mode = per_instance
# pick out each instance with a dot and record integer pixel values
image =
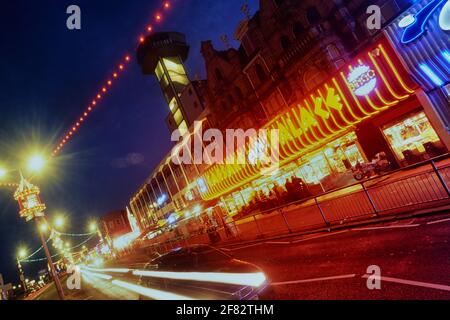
(362, 80)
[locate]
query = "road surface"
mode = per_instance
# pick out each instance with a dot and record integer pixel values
(413, 256)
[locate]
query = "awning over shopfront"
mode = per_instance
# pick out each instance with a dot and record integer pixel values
(373, 82)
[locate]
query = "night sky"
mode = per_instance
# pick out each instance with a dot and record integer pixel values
(49, 74)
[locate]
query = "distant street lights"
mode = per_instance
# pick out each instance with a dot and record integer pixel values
(31, 207)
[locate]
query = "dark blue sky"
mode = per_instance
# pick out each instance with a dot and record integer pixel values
(48, 75)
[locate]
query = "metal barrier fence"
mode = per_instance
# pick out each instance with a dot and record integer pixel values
(421, 186)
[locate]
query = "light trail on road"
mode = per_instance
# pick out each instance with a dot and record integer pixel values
(150, 293)
(144, 291)
(248, 279)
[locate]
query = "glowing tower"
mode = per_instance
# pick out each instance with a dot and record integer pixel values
(163, 55)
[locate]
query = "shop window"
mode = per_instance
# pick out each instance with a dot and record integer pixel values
(413, 139)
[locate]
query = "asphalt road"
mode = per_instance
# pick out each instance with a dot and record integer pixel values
(413, 256)
(415, 253)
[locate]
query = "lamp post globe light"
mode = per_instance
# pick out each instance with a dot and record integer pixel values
(31, 207)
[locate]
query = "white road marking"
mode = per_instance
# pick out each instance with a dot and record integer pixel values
(250, 245)
(321, 236)
(411, 282)
(345, 276)
(438, 221)
(387, 227)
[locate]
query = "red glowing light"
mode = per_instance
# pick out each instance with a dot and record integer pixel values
(158, 17)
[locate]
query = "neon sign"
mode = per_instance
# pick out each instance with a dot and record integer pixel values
(362, 80)
(414, 25)
(328, 111)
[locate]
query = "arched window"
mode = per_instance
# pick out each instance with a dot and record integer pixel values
(298, 30)
(285, 42)
(313, 15)
(333, 51)
(262, 76)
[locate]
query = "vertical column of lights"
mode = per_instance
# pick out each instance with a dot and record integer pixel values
(157, 18)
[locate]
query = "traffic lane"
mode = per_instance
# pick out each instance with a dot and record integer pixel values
(354, 289)
(91, 289)
(410, 249)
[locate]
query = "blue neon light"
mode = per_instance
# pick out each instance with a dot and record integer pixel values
(431, 74)
(446, 55)
(417, 28)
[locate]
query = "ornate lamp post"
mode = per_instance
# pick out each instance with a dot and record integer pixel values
(31, 207)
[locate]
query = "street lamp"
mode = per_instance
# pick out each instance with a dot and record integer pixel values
(2, 173)
(59, 222)
(36, 163)
(21, 255)
(31, 207)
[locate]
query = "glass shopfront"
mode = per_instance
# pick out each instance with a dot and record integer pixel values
(413, 139)
(329, 166)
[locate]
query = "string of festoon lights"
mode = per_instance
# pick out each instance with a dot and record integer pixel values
(118, 70)
(59, 244)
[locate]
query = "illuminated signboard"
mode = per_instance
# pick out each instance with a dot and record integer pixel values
(421, 35)
(415, 24)
(372, 83)
(362, 80)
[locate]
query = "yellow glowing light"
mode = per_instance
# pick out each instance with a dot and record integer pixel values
(93, 227)
(2, 173)
(36, 163)
(59, 222)
(22, 253)
(328, 111)
(43, 227)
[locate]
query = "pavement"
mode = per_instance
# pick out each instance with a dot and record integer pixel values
(412, 256)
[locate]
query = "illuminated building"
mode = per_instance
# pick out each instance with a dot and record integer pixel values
(115, 225)
(163, 55)
(426, 53)
(337, 92)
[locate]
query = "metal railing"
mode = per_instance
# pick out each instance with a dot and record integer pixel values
(420, 186)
